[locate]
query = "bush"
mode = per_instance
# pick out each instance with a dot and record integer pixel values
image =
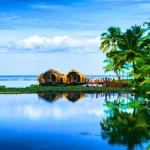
(2, 87)
(144, 88)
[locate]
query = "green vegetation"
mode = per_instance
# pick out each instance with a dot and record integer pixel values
(30, 89)
(128, 52)
(79, 89)
(38, 89)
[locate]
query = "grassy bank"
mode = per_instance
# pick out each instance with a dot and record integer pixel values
(79, 88)
(39, 89)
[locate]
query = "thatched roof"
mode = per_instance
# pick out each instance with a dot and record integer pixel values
(56, 73)
(73, 70)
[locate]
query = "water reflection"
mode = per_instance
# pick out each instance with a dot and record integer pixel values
(127, 128)
(27, 122)
(55, 96)
(50, 96)
(74, 97)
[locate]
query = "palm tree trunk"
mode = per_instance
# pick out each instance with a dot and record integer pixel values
(118, 75)
(134, 67)
(134, 70)
(134, 111)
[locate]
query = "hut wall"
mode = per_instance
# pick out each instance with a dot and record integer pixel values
(64, 79)
(41, 80)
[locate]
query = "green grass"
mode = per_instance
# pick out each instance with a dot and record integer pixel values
(31, 89)
(78, 89)
(39, 89)
(64, 88)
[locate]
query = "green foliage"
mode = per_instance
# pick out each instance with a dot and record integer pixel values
(128, 51)
(34, 86)
(109, 39)
(145, 87)
(37, 88)
(2, 87)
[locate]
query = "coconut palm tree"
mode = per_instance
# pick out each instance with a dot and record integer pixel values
(109, 39)
(112, 67)
(126, 49)
(115, 63)
(132, 46)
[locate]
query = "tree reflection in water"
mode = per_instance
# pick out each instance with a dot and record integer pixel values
(122, 127)
(72, 96)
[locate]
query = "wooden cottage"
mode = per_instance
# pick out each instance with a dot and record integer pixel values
(75, 77)
(51, 76)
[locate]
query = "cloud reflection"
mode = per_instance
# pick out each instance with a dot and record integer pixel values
(29, 107)
(34, 109)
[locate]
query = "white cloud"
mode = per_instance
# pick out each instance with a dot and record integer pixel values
(55, 44)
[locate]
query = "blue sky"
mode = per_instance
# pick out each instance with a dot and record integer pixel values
(37, 35)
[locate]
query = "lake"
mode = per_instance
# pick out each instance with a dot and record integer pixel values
(53, 121)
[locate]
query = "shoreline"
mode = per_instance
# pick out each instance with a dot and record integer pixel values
(45, 89)
(33, 89)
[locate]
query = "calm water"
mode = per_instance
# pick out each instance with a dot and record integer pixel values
(61, 121)
(55, 121)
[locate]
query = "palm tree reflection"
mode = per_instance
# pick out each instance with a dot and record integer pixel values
(125, 128)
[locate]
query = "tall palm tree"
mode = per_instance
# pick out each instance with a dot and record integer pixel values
(126, 49)
(115, 63)
(132, 45)
(109, 39)
(112, 67)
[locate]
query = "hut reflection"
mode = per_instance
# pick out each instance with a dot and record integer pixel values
(55, 96)
(50, 96)
(73, 97)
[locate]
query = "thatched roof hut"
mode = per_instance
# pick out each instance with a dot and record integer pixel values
(74, 76)
(51, 76)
